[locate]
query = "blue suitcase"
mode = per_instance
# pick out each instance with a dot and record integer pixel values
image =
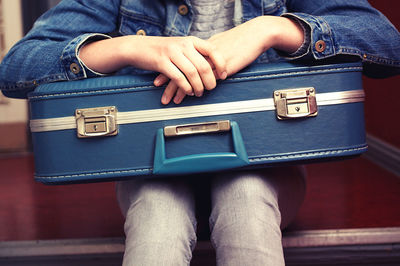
(114, 128)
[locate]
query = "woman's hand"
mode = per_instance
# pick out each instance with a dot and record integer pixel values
(172, 91)
(241, 45)
(180, 59)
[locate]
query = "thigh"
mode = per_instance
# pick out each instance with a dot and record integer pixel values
(237, 197)
(282, 188)
(166, 193)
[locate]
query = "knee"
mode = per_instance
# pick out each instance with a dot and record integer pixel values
(244, 200)
(157, 207)
(155, 196)
(244, 189)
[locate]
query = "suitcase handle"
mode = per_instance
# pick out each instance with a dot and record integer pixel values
(204, 162)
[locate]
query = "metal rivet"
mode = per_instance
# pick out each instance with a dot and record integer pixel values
(74, 67)
(320, 46)
(183, 10)
(141, 32)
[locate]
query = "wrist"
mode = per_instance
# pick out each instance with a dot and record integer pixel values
(139, 51)
(124, 50)
(283, 34)
(105, 56)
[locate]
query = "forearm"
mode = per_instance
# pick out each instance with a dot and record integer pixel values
(35, 60)
(281, 33)
(110, 55)
(243, 44)
(48, 53)
(350, 28)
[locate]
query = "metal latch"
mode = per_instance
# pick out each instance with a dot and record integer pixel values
(96, 122)
(295, 103)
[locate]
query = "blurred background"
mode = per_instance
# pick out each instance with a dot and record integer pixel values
(16, 19)
(361, 195)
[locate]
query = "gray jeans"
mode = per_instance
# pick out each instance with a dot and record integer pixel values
(245, 220)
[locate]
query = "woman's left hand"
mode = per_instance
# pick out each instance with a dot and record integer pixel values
(241, 45)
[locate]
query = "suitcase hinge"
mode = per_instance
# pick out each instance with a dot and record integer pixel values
(295, 103)
(96, 122)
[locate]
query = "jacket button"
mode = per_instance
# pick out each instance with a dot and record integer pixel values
(141, 32)
(320, 46)
(183, 10)
(74, 67)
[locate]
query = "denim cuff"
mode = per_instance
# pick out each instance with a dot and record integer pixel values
(73, 66)
(319, 35)
(304, 48)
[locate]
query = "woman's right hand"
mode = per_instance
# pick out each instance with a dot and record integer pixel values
(182, 59)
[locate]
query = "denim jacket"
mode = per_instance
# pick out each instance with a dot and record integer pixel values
(50, 51)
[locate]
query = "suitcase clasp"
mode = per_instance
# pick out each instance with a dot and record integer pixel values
(96, 122)
(295, 103)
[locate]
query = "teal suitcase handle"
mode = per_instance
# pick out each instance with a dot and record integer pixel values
(204, 162)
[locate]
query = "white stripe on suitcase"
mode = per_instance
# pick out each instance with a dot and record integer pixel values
(267, 104)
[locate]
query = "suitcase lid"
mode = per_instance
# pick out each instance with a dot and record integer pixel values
(112, 84)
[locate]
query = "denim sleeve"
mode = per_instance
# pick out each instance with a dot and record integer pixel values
(49, 52)
(349, 29)
(303, 50)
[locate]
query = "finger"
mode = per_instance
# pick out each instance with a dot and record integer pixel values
(203, 68)
(220, 64)
(189, 70)
(172, 71)
(215, 74)
(160, 80)
(180, 95)
(169, 92)
(213, 67)
(210, 62)
(207, 49)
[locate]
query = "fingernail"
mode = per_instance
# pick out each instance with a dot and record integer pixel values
(164, 99)
(177, 100)
(223, 75)
(158, 81)
(191, 94)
